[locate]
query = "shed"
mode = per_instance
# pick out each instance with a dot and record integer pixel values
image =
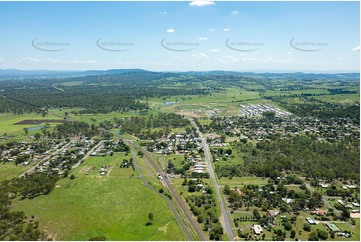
(257, 229)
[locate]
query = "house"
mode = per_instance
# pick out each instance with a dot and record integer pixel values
(287, 200)
(341, 202)
(318, 212)
(257, 229)
(332, 227)
(310, 221)
(273, 213)
(355, 204)
(324, 185)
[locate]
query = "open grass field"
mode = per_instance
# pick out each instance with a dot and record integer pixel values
(226, 102)
(115, 206)
(296, 92)
(10, 170)
(8, 124)
(240, 181)
(341, 98)
(96, 118)
(234, 158)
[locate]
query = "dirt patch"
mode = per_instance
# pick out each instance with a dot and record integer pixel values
(85, 169)
(355, 215)
(57, 186)
(164, 229)
(239, 191)
(109, 170)
(40, 121)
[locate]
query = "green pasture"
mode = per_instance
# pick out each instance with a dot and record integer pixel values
(341, 98)
(115, 206)
(8, 126)
(9, 170)
(240, 181)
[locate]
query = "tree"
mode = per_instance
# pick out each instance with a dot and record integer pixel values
(37, 136)
(227, 189)
(192, 188)
(288, 226)
(229, 152)
(313, 236)
(307, 227)
(26, 131)
(293, 234)
(322, 234)
(151, 218)
(345, 213)
(256, 214)
(72, 177)
(216, 232)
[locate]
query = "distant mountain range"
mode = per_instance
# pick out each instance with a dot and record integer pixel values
(14, 73)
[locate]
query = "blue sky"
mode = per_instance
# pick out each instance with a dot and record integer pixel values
(181, 36)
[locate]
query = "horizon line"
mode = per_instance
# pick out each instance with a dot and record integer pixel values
(179, 71)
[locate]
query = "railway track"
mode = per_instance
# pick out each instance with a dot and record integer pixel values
(173, 192)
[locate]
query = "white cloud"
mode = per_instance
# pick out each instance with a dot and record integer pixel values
(235, 12)
(170, 30)
(1, 60)
(211, 30)
(226, 29)
(178, 58)
(200, 56)
(338, 57)
(203, 38)
(289, 53)
(34, 60)
(273, 60)
(251, 60)
(201, 3)
(356, 48)
(162, 13)
(229, 59)
(214, 50)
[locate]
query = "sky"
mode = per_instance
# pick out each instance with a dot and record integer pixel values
(181, 36)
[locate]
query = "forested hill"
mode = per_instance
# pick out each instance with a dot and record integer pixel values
(14, 73)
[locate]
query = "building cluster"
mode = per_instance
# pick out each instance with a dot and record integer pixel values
(67, 157)
(333, 129)
(24, 153)
(251, 110)
(184, 143)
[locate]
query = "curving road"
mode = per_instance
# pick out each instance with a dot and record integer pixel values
(225, 219)
(168, 184)
(45, 159)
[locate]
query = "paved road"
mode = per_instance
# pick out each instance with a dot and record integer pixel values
(168, 184)
(327, 203)
(225, 220)
(88, 154)
(45, 159)
(170, 205)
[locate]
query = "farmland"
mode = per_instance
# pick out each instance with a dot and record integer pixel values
(263, 162)
(115, 205)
